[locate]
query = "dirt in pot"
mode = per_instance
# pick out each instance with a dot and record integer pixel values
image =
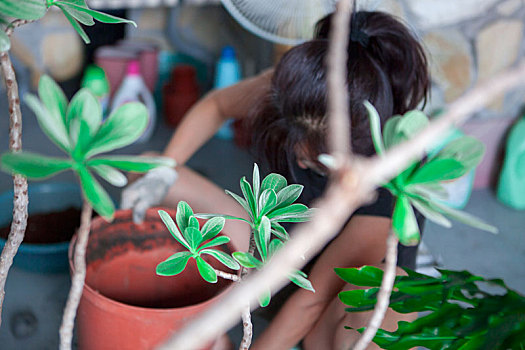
(49, 227)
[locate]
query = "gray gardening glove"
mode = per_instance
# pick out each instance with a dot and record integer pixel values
(147, 191)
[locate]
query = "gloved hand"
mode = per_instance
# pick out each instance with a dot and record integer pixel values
(147, 191)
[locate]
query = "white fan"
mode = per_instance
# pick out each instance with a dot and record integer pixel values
(287, 22)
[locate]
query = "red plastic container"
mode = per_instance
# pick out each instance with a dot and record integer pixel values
(179, 94)
(125, 305)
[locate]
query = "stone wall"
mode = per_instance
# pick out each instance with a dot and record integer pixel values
(467, 42)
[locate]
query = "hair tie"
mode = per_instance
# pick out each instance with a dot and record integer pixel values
(360, 37)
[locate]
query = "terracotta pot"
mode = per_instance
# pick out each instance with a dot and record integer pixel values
(125, 305)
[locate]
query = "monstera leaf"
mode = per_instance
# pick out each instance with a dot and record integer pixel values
(420, 184)
(77, 129)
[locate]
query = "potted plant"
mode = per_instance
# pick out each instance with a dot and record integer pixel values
(458, 311)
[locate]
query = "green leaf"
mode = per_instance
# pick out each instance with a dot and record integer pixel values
(99, 16)
(389, 131)
(138, 164)
(32, 165)
(51, 124)
(207, 272)
(80, 16)
(274, 182)
(465, 218)
(224, 258)
(438, 170)
(359, 297)
(111, 175)
(274, 246)
(78, 28)
(23, 9)
(288, 211)
(184, 212)
(411, 123)
(212, 228)
(430, 213)
(193, 222)
(83, 107)
(53, 98)
(262, 237)
(123, 127)
(168, 221)
(375, 127)
(265, 298)
(297, 278)
(256, 181)
(96, 195)
(215, 242)
(467, 149)
(288, 195)
(5, 43)
(306, 216)
(404, 222)
(247, 260)
(280, 231)
(267, 202)
(363, 276)
(193, 237)
(82, 143)
(248, 195)
(174, 265)
(429, 191)
(209, 216)
(243, 203)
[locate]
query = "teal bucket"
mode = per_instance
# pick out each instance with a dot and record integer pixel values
(43, 198)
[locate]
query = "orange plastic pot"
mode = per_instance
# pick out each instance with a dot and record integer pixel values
(125, 305)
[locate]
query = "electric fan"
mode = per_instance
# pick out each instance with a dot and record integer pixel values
(287, 22)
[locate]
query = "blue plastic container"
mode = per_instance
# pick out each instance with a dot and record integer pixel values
(43, 198)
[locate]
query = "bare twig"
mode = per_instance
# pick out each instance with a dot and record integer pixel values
(227, 276)
(247, 327)
(77, 281)
(15, 24)
(383, 297)
(339, 117)
(342, 197)
(20, 199)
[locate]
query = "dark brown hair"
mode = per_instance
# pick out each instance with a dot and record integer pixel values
(386, 66)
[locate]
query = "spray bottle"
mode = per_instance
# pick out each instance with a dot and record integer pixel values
(227, 72)
(131, 89)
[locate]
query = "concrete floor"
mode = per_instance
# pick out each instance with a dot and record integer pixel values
(34, 301)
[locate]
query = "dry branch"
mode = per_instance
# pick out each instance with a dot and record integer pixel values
(20, 199)
(383, 297)
(77, 281)
(344, 195)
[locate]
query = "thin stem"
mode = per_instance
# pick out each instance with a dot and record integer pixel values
(15, 24)
(338, 112)
(383, 297)
(227, 276)
(77, 281)
(247, 327)
(20, 198)
(342, 197)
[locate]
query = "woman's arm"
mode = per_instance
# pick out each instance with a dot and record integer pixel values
(207, 116)
(362, 242)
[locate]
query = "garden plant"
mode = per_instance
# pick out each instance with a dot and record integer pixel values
(269, 203)
(77, 128)
(461, 314)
